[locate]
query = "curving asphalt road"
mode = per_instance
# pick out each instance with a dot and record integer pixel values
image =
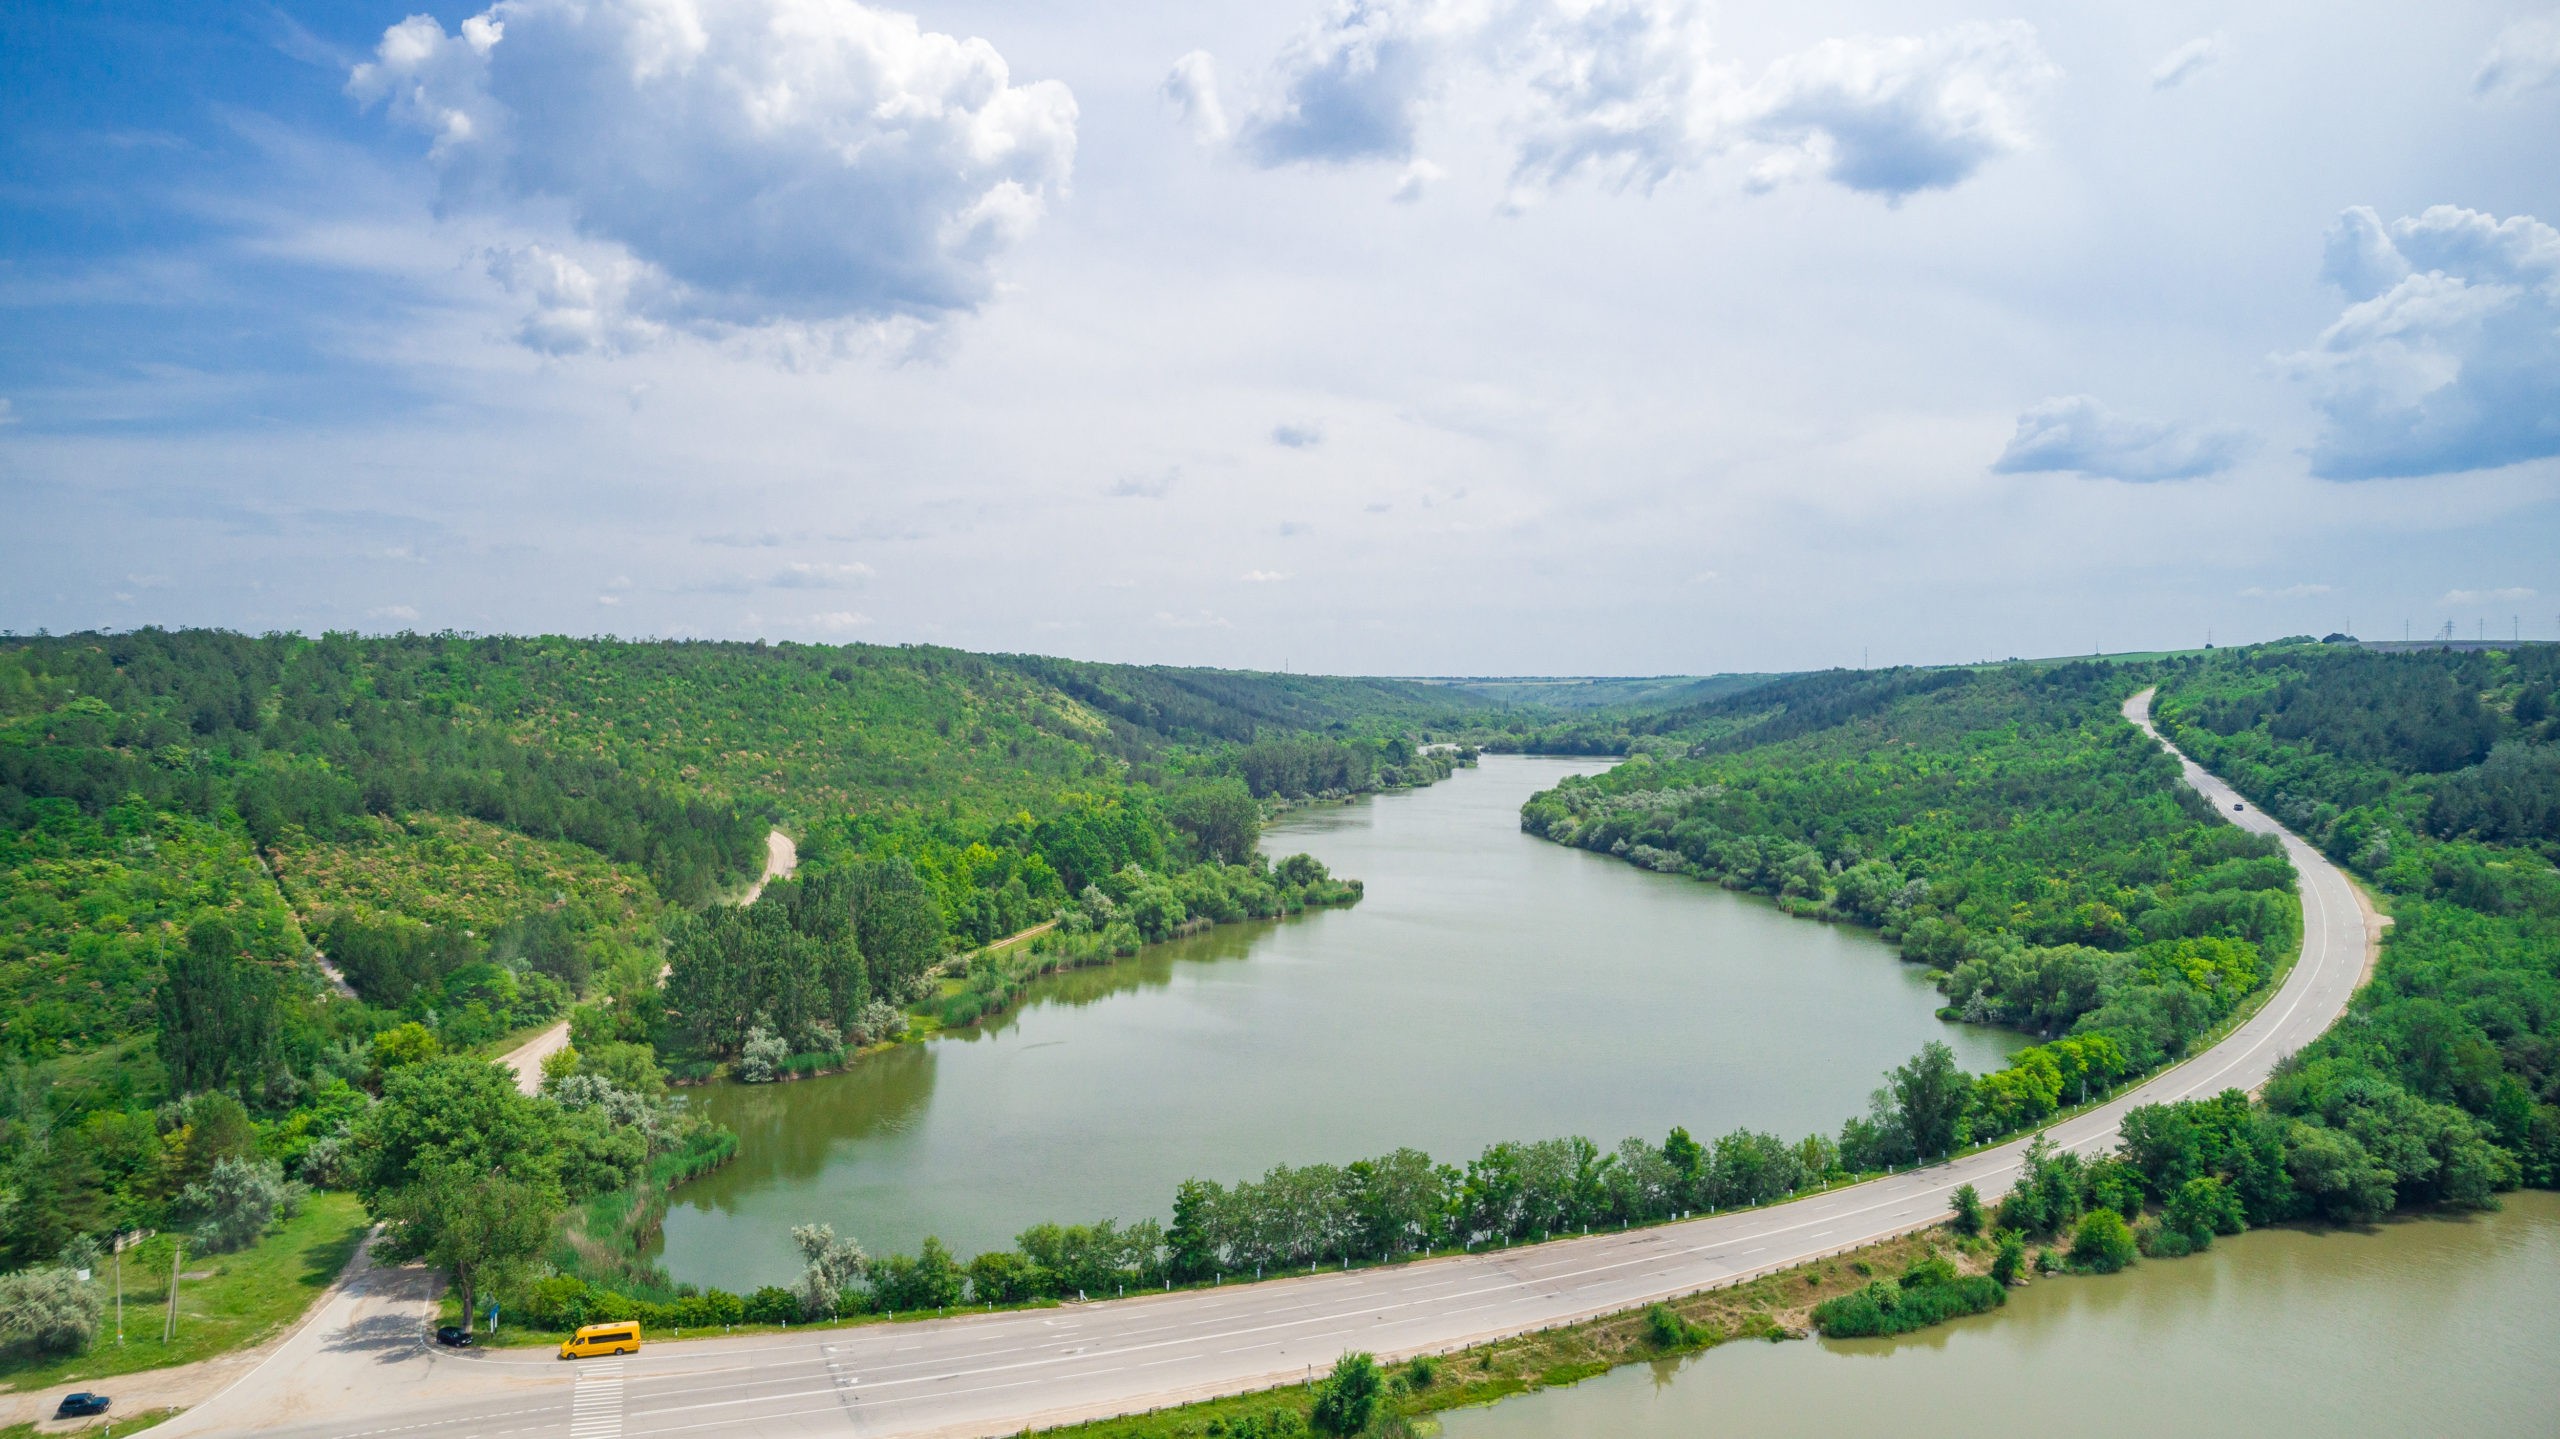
(997, 1374)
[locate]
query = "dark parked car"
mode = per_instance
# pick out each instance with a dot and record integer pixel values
(2235, 809)
(79, 1406)
(454, 1336)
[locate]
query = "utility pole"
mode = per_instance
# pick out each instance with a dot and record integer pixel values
(169, 1326)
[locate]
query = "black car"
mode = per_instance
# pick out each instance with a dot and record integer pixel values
(80, 1406)
(454, 1336)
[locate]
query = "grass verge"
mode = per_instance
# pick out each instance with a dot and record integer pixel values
(243, 1299)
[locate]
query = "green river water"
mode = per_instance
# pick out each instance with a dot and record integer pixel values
(2442, 1325)
(1491, 986)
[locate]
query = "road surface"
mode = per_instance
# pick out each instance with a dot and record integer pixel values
(781, 857)
(996, 1374)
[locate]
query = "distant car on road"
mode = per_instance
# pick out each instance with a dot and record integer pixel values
(2235, 809)
(80, 1406)
(454, 1336)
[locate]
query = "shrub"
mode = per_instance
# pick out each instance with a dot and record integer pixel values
(763, 1056)
(1968, 1206)
(2012, 1254)
(1001, 1276)
(772, 1304)
(1423, 1371)
(1348, 1396)
(1929, 1292)
(237, 1202)
(48, 1310)
(2102, 1244)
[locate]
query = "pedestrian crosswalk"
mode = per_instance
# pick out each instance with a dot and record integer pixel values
(596, 1412)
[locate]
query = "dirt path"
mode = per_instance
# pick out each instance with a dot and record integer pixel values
(781, 857)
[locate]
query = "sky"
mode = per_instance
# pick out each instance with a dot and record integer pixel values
(1395, 337)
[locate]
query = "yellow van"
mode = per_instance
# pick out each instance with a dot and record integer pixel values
(620, 1337)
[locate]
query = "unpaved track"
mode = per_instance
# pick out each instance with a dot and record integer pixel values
(781, 857)
(995, 1374)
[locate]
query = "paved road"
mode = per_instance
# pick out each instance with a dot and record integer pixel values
(995, 1374)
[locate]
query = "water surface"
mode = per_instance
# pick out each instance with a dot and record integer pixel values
(1491, 986)
(2445, 1326)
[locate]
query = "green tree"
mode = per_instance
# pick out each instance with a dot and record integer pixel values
(1221, 817)
(48, 1310)
(2102, 1244)
(1968, 1209)
(219, 1012)
(1348, 1396)
(451, 1113)
(480, 1228)
(1929, 1094)
(2006, 1261)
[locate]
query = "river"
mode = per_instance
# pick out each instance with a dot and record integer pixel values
(1490, 986)
(2443, 1325)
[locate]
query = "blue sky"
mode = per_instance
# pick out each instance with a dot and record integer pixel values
(1409, 336)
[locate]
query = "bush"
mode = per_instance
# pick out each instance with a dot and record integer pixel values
(237, 1203)
(1423, 1371)
(1968, 1206)
(2011, 1256)
(1664, 1326)
(2102, 1244)
(1001, 1276)
(763, 1056)
(1929, 1292)
(1348, 1396)
(48, 1310)
(772, 1304)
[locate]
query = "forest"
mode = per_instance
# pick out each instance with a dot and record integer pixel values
(481, 835)
(266, 900)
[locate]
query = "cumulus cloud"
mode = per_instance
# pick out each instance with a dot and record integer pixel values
(405, 614)
(1192, 90)
(2187, 61)
(1263, 577)
(1418, 178)
(728, 164)
(1895, 115)
(1298, 437)
(1145, 487)
(820, 576)
(2525, 56)
(2447, 357)
(2078, 434)
(2288, 592)
(2464, 599)
(1629, 92)
(1352, 86)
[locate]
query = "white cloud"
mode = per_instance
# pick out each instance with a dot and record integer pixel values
(1896, 115)
(2448, 357)
(1198, 620)
(1630, 93)
(8, 413)
(608, 599)
(1145, 487)
(1263, 577)
(728, 164)
(405, 614)
(2525, 56)
(2464, 599)
(1418, 178)
(1191, 88)
(2077, 433)
(840, 619)
(2187, 61)
(1298, 436)
(820, 576)
(2288, 592)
